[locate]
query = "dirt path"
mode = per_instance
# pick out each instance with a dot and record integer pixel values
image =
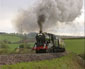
(17, 58)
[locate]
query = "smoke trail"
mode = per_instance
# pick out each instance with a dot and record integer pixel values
(46, 13)
(41, 20)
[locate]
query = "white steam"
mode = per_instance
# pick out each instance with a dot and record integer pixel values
(54, 11)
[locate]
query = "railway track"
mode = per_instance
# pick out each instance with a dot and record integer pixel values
(17, 58)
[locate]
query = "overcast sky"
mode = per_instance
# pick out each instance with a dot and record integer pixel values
(10, 8)
(8, 11)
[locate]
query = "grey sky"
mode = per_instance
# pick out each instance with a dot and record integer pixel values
(8, 10)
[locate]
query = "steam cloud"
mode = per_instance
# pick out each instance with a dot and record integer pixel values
(45, 14)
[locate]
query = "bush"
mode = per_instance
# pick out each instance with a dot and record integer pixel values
(3, 45)
(3, 48)
(82, 55)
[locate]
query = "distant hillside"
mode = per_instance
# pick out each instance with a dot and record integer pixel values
(31, 35)
(71, 37)
(2, 33)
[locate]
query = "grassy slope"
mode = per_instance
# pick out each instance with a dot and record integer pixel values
(11, 38)
(66, 62)
(75, 45)
(8, 37)
(12, 47)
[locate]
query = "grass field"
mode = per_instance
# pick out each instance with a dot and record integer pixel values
(65, 62)
(75, 45)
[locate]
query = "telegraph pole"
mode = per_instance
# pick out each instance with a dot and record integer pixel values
(21, 31)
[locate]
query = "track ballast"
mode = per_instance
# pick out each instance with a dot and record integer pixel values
(17, 58)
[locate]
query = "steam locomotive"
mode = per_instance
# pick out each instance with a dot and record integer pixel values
(47, 43)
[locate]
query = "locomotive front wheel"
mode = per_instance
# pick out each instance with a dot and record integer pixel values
(41, 51)
(37, 51)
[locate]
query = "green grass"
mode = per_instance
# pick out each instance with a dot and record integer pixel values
(12, 47)
(75, 45)
(11, 38)
(65, 62)
(31, 44)
(9, 50)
